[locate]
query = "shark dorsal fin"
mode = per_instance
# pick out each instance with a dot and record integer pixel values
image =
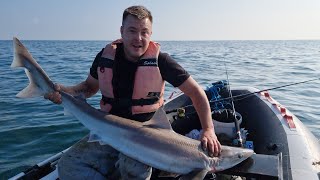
(159, 120)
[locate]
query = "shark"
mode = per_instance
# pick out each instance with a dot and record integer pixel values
(153, 142)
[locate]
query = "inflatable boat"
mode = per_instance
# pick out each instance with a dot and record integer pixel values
(247, 117)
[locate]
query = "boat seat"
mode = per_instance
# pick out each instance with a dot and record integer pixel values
(258, 166)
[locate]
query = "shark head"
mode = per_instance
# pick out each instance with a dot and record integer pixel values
(229, 157)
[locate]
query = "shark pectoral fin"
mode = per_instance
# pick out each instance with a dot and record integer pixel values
(159, 120)
(32, 90)
(95, 138)
(195, 175)
(102, 143)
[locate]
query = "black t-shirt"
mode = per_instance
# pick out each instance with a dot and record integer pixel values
(123, 78)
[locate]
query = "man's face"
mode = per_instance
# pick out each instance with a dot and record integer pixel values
(136, 35)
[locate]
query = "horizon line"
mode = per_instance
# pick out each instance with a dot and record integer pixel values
(168, 40)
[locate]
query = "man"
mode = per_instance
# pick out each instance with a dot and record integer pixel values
(130, 74)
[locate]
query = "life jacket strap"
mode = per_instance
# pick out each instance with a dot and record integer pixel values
(119, 102)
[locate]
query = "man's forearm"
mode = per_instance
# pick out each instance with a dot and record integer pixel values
(81, 88)
(201, 104)
(88, 88)
(199, 100)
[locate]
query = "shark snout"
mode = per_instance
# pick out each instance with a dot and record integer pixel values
(230, 157)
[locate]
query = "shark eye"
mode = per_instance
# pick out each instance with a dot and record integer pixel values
(240, 156)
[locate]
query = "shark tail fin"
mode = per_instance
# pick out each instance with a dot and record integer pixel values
(20, 51)
(32, 90)
(22, 58)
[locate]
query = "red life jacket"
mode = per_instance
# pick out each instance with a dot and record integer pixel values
(148, 87)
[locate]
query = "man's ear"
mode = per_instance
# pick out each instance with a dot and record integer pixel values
(121, 30)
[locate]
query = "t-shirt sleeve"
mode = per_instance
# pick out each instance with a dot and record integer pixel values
(94, 66)
(171, 71)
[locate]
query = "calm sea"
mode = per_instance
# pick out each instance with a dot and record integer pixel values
(32, 130)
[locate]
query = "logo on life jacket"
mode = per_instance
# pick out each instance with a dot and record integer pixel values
(150, 62)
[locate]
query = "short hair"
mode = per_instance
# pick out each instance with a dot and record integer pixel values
(140, 12)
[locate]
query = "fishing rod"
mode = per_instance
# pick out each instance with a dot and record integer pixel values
(238, 97)
(236, 122)
(246, 95)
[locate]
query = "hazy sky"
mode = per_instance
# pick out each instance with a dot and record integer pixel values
(173, 19)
